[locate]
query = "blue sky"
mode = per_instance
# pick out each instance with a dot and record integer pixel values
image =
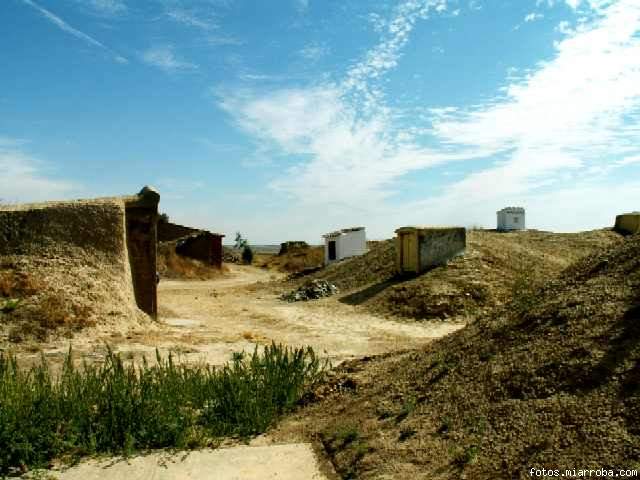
(290, 118)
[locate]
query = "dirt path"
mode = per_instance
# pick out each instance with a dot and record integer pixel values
(274, 462)
(212, 319)
(208, 321)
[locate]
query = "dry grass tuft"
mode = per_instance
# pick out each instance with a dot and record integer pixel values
(172, 265)
(14, 284)
(293, 261)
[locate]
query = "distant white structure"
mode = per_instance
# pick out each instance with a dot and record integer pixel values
(348, 242)
(511, 218)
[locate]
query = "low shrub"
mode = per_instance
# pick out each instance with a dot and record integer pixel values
(118, 408)
(247, 255)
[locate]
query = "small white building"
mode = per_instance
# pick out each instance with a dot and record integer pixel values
(348, 242)
(511, 218)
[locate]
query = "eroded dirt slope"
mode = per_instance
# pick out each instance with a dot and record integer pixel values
(493, 267)
(557, 386)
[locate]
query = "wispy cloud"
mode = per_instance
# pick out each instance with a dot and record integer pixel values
(23, 178)
(532, 17)
(579, 110)
(164, 57)
(106, 8)
(192, 18)
(301, 5)
(223, 40)
(313, 52)
(65, 27)
(342, 127)
(549, 131)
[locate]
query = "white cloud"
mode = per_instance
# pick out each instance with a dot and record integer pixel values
(109, 8)
(628, 160)
(301, 5)
(555, 130)
(23, 179)
(532, 17)
(579, 110)
(313, 52)
(222, 40)
(164, 58)
(192, 18)
(385, 55)
(65, 27)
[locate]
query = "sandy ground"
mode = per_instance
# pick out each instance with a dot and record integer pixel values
(208, 321)
(211, 319)
(277, 462)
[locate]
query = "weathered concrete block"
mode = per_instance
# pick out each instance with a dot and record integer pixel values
(204, 246)
(628, 223)
(168, 231)
(117, 233)
(419, 248)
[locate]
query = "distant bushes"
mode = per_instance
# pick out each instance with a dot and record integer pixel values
(247, 255)
(118, 408)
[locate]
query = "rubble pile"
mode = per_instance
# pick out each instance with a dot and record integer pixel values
(311, 291)
(231, 255)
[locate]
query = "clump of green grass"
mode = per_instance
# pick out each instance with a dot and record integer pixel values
(118, 408)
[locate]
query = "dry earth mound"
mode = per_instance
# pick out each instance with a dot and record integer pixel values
(493, 267)
(292, 259)
(555, 387)
(377, 265)
(64, 266)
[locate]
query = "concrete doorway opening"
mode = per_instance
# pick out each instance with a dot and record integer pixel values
(332, 250)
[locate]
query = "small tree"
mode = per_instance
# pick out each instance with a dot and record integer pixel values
(243, 243)
(240, 242)
(247, 255)
(163, 218)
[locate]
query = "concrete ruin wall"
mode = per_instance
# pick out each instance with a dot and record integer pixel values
(204, 246)
(628, 223)
(168, 231)
(100, 252)
(418, 249)
(193, 243)
(141, 233)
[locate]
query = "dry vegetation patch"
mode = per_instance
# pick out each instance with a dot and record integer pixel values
(557, 386)
(172, 265)
(294, 260)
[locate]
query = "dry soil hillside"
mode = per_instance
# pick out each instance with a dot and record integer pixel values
(555, 386)
(494, 268)
(292, 261)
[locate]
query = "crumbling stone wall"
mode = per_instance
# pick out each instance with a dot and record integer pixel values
(99, 251)
(168, 231)
(204, 246)
(141, 227)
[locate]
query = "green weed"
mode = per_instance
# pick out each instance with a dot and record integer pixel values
(119, 408)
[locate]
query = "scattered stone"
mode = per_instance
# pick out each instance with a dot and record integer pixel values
(231, 255)
(311, 291)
